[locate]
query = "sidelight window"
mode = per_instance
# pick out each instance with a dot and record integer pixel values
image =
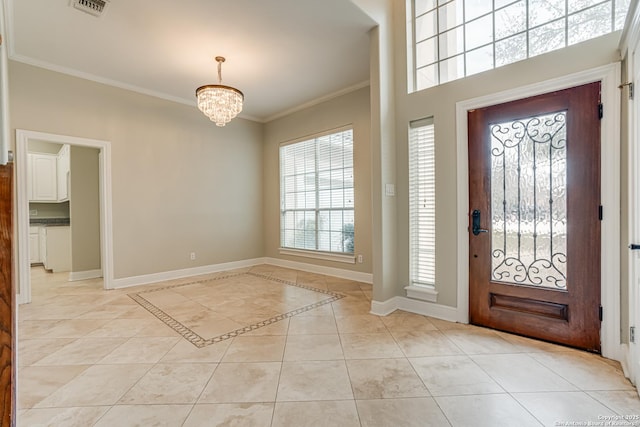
(422, 203)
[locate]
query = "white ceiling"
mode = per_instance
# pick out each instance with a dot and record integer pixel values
(281, 53)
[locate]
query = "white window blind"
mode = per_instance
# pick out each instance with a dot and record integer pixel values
(317, 193)
(422, 203)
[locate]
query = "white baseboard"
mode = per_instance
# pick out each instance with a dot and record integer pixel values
(329, 271)
(439, 311)
(145, 279)
(84, 275)
(623, 358)
(384, 308)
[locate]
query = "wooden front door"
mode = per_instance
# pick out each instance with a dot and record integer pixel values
(534, 217)
(7, 298)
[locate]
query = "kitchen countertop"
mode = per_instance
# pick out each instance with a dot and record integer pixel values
(49, 221)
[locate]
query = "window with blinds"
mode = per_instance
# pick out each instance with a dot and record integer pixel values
(422, 203)
(316, 193)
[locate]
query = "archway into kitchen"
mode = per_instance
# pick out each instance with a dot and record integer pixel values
(51, 157)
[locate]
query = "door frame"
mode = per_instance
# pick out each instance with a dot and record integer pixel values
(106, 223)
(609, 76)
(633, 176)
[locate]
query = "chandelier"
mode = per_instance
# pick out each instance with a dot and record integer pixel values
(219, 102)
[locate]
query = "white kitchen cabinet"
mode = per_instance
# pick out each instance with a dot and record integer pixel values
(63, 170)
(57, 248)
(42, 244)
(44, 179)
(34, 245)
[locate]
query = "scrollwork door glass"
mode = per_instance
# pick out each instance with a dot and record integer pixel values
(528, 201)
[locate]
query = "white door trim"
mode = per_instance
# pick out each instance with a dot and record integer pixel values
(609, 75)
(632, 364)
(106, 223)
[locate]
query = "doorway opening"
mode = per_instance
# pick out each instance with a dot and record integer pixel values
(23, 140)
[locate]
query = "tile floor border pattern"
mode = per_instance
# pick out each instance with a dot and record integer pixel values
(198, 340)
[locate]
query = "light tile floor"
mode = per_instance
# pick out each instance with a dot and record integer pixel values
(92, 357)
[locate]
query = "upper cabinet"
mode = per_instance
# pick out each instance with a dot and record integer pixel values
(44, 179)
(49, 174)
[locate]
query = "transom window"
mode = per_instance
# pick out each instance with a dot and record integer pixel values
(316, 193)
(452, 39)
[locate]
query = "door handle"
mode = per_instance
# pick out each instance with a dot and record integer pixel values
(475, 223)
(634, 247)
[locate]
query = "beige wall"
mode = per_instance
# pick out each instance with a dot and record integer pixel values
(180, 184)
(353, 109)
(36, 146)
(84, 201)
(440, 102)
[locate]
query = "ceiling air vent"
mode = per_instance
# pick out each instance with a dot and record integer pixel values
(93, 7)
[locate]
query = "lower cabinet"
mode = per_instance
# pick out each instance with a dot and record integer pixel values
(55, 244)
(34, 245)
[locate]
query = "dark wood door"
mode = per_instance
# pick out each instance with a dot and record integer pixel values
(7, 295)
(534, 217)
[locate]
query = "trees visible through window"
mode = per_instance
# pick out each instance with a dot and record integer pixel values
(316, 193)
(457, 38)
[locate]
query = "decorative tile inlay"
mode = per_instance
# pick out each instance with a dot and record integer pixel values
(270, 285)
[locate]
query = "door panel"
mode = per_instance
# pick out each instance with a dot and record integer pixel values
(534, 196)
(7, 298)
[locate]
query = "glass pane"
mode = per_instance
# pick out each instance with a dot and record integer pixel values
(546, 38)
(590, 23)
(576, 5)
(423, 6)
(501, 3)
(324, 180)
(479, 32)
(511, 20)
(348, 198)
(324, 199)
(621, 8)
(450, 15)
(528, 201)
(511, 50)
(427, 77)
(324, 241)
(479, 60)
(289, 220)
(476, 8)
(452, 69)
(310, 230)
(336, 221)
(324, 222)
(426, 52)
(337, 198)
(426, 26)
(543, 11)
(451, 43)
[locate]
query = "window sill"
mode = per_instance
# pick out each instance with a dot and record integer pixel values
(326, 256)
(424, 293)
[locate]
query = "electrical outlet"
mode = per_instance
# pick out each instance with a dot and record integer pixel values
(360, 259)
(192, 256)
